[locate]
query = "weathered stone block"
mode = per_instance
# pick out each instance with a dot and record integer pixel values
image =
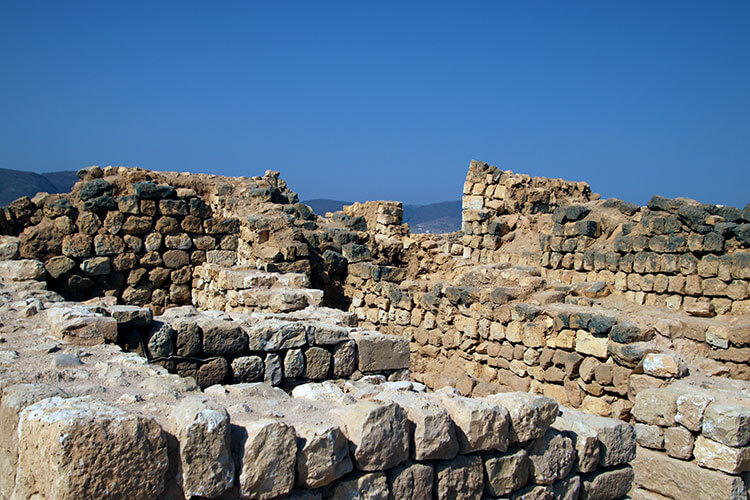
(203, 431)
(83, 448)
(379, 352)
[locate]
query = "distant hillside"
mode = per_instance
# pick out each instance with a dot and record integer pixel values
(17, 183)
(322, 205)
(444, 217)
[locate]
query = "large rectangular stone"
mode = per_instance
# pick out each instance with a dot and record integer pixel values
(379, 352)
(676, 478)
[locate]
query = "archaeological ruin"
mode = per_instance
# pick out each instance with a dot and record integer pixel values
(172, 335)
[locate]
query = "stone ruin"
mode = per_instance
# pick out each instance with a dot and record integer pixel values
(173, 336)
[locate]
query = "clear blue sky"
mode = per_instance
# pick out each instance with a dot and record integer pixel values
(370, 100)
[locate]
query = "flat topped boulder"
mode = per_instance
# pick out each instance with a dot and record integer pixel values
(79, 324)
(274, 334)
(84, 448)
(530, 415)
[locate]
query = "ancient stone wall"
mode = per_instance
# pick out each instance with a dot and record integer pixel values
(693, 440)
(494, 199)
(81, 419)
(672, 253)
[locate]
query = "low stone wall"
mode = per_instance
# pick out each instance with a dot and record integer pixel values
(81, 419)
(672, 253)
(121, 235)
(693, 440)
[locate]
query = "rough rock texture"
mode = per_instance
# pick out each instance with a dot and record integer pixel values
(102, 451)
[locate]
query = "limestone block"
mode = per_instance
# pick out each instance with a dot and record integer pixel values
(616, 439)
(727, 423)
(272, 370)
(379, 352)
(607, 485)
(530, 415)
(21, 270)
(361, 486)
(377, 433)
(322, 455)
(414, 481)
(480, 425)
(690, 409)
(275, 335)
(650, 436)
(83, 448)
(79, 325)
(433, 436)
(678, 442)
(587, 343)
(9, 247)
(715, 455)
(664, 365)
(681, 479)
(13, 400)
(506, 473)
(202, 429)
(461, 478)
(267, 451)
(551, 457)
(656, 406)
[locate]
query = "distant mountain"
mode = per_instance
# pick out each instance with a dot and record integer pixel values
(17, 183)
(322, 205)
(443, 217)
(62, 180)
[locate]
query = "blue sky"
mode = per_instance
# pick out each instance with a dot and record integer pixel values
(386, 100)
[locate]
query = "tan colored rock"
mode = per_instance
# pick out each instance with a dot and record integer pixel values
(530, 415)
(461, 478)
(608, 484)
(83, 448)
(378, 352)
(21, 270)
(506, 473)
(433, 436)
(322, 455)
(13, 400)
(377, 432)
(664, 365)
(587, 343)
(480, 424)
(656, 406)
(79, 325)
(649, 436)
(672, 478)
(567, 489)
(267, 457)
(715, 455)
(616, 438)
(690, 409)
(363, 486)
(727, 423)
(202, 429)
(414, 481)
(551, 457)
(678, 443)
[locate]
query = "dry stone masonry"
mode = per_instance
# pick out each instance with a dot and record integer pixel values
(559, 346)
